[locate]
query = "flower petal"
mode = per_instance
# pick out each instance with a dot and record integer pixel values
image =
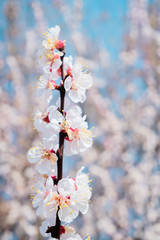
(68, 83)
(66, 186)
(34, 155)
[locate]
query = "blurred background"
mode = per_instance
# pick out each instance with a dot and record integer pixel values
(119, 41)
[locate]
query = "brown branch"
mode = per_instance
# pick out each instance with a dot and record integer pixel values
(61, 134)
(55, 230)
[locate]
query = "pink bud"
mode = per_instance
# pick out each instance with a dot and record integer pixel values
(60, 45)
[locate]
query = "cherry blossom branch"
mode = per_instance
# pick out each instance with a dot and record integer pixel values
(61, 147)
(60, 199)
(55, 230)
(61, 134)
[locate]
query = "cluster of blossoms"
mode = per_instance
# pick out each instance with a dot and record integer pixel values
(60, 199)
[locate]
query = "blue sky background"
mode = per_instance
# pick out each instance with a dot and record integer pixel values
(102, 20)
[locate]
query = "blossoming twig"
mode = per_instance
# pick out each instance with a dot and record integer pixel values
(62, 135)
(60, 199)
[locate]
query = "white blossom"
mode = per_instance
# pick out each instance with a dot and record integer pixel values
(68, 63)
(77, 82)
(53, 196)
(43, 124)
(79, 138)
(83, 191)
(44, 155)
(49, 60)
(51, 39)
(71, 196)
(42, 189)
(46, 84)
(64, 199)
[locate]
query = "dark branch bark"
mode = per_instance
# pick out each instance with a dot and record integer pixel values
(61, 143)
(55, 230)
(61, 134)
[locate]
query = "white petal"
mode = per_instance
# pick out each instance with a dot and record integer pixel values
(75, 111)
(44, 228)
(54, 32)
(44, 166)
(37, 201)
(86, 142)
(34, 155)
(82, 94)
(75, 146)
(48, 197)
(66, 186)
(49, 183)
(46, 68)
(77, 70)
(45, 44)
(39, 211)
(55, 116)
(68, 62)
(41, 57)
(49, 143)
(83, 208)
(86, 81)
(56, 64)
(67, 214)
(45, 224)
(48, 95)
(77, 95)
(68, 83)
(73, 95)
(51, 212)
(54, 75)
(39, 124)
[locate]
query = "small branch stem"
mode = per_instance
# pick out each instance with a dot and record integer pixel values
(61, 134)
(61, 146)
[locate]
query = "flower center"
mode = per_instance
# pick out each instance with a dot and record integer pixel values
(50, 155)
(73, 133)
(65, 126)
(62, 201)
(51, 85)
